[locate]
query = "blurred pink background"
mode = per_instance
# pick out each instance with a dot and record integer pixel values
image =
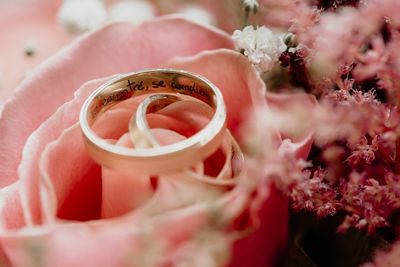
(27, 26)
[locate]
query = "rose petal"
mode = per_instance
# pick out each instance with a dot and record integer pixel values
(192, 113)
(116, 119)
(301, 149)
(239, 82)
(123, 193)
(4, 261)
(122, 243)
(75, 178)
(288, 104)
(11, 213)
(115, 48)
(299, 141)
(264, 246)
(28, 169)
(185, 117)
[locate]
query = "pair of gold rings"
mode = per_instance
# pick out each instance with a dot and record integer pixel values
(162, 87)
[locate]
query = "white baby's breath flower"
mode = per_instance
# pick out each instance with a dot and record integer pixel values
(260, 45)
(30, 48)
(197, 14)
(250, 5)
(134, 11)
(81, 15)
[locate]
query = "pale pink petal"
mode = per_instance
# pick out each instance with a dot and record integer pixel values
(110, 243)
(11, 213)
(113, 49)
(300, 149)
(297, 141)
(265, 246)
(162, 121)
(123, 193)
(185, 117)
(239, 82)
(4, 261)
(192, 113)
(69, 245)
(289, 103)
(116, 119)
(50, 130)
(178, 117)
(74, 177)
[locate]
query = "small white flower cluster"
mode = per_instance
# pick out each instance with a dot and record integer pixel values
(132, 11)
(197, 14)
(260, 45)
(81, 15)
(251, 5)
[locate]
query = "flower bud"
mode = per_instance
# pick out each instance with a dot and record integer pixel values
(250, 5)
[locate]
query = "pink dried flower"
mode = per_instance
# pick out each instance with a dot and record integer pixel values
(313, 194)
(360, 132)
(297, 16)
(373, 61)
(352, 31)
(363, 152)
(352, 65)
(370, 203)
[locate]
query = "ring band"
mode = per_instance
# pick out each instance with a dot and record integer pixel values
(154, 160)
(140, 134)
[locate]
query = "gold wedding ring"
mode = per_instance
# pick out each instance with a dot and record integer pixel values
(159, 159)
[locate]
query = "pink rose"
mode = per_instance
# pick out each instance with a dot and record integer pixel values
(58, 208)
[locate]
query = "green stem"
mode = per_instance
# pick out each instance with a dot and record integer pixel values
(246, 17)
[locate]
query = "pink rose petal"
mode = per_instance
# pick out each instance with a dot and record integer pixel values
(288, 103)
(241, 86)
(28, 169)
(299, 141)
(123, 193)
(11, 213)
(265, 246)
(74, 177)
(121, 243)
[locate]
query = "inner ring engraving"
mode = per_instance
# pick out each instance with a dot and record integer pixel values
(151, 83)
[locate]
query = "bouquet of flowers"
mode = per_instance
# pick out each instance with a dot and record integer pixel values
(306, 170)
